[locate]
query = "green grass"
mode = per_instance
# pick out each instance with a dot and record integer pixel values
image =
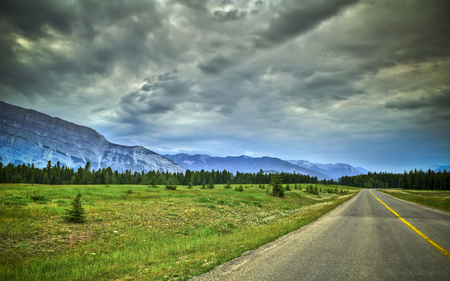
(143, 233)
(439, 199)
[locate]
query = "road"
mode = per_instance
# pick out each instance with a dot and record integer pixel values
(360, 240)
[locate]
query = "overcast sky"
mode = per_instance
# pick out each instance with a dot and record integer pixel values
(360, 82)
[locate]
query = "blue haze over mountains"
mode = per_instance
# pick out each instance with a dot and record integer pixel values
(28, 136)
(246, 164)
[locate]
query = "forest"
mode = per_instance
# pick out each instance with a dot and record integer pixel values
(429, 180)
(58, 174)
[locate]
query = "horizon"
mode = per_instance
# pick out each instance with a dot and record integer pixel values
(358, 82)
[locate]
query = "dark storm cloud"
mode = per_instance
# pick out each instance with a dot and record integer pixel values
(299, 17)
(215, 65)
(81, 27)
(229, 16)
(388, 32)
(439, 101)
(340, 73)
(158, 95)
(198, 5)
(28, 17)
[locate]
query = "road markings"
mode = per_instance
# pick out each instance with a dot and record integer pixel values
(434, 244)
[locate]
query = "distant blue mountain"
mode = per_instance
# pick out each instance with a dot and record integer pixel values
(333, 170)
(243, 164)
(441, 168)
(362, 170)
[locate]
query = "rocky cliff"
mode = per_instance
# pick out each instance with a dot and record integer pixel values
(28, 136)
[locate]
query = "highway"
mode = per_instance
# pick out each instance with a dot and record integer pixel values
(359, 240)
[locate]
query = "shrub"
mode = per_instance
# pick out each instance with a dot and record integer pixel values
(211, 184)
(190, 185)
(170, 186)
(228, 186)
(288, 188)
(257, 204)
(76, 213)
(240, 188)
(223, 202)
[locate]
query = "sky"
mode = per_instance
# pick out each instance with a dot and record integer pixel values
(360, 82)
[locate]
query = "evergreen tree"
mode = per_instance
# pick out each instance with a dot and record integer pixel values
(76, 213)
(74, 180)
(45, 179)
(190, 184)
(228, 186)
(153, 182)
(170, 186)
(211, 183)
(277, 185)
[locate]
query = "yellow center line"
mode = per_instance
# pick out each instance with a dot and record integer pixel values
(434, 244)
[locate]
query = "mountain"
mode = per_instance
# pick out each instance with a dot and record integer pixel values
(243, 164)
(362, 170)
(308, 165)
(442, 168)
(28, 136)
(333, 170)
(340, 169)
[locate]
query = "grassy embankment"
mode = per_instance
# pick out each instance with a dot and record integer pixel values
(143, 233)
(439, 199)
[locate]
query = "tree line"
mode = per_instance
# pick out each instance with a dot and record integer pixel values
(429, 180)
(57, 174)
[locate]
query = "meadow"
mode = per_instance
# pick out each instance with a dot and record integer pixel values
(136, 232)
(439, 199)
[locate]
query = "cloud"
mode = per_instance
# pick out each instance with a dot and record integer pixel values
(298, 17)
(441, 100)
(158, 94)
(323, 80)
(229, 16)
(215, 65)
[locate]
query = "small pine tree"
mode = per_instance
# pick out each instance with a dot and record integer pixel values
(228, 185)
(153, 182)
(240, 188)
(190, 185)
(76, 213)
(170, 186)
(288, 188)
(211, 184)
(277, 186)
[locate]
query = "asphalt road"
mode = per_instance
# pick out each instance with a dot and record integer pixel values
(360, 240)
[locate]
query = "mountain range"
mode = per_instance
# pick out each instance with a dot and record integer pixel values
(246, 164)
(334, 170)
(28, 136)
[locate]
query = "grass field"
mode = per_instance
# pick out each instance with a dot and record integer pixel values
(439, 199)
(142, 233)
